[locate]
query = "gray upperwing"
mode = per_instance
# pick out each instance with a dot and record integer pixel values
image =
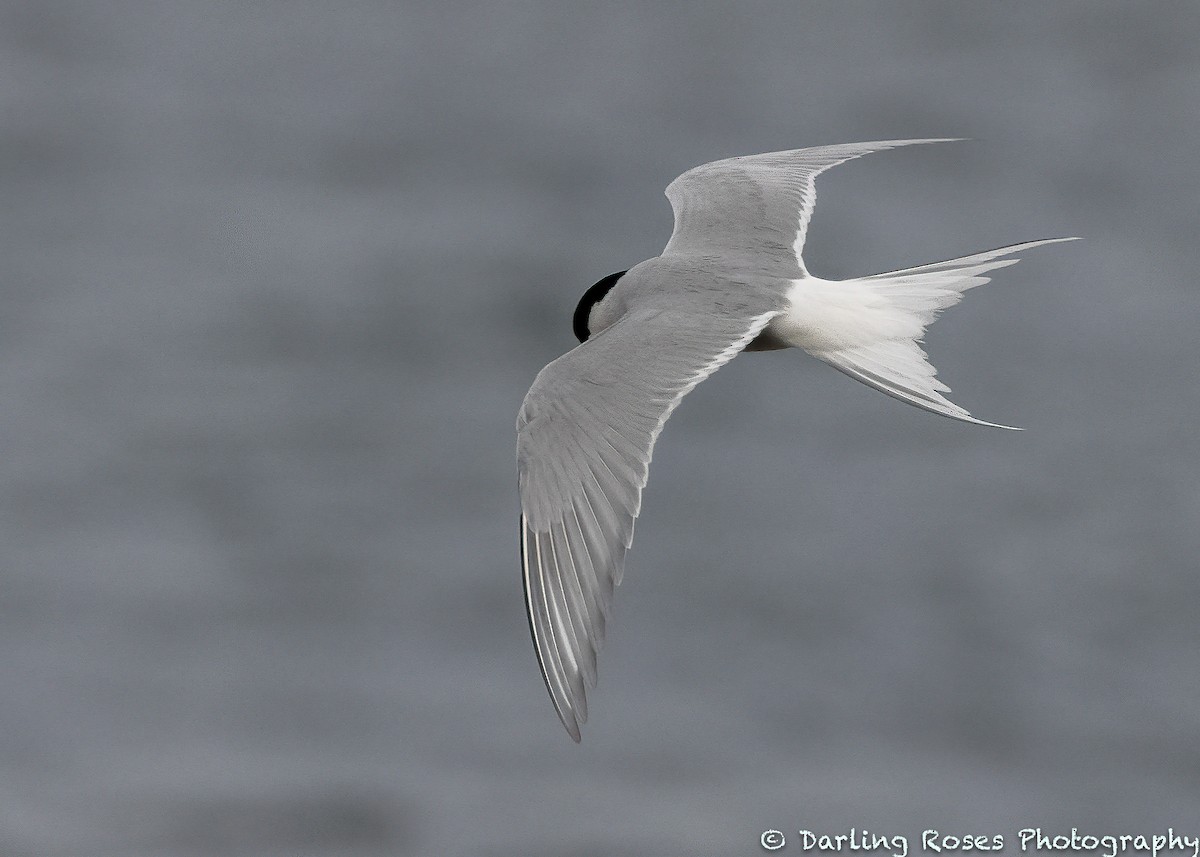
(757, 208)
(585, 434)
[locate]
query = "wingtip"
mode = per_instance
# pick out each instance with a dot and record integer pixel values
(884, 145)
(571, 723)
(923, 140)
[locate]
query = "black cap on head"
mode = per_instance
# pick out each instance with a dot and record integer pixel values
(590, 298)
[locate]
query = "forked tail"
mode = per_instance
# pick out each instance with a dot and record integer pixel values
(908, 301)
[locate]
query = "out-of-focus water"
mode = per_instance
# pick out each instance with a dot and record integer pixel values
(276, 277)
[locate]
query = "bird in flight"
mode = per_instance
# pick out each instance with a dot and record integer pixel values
(732, 278)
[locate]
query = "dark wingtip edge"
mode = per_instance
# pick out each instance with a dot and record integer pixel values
(570, 725)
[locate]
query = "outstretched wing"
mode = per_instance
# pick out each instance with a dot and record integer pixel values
(757, 207)
(584, 438)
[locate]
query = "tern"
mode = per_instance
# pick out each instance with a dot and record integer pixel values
(732, 278)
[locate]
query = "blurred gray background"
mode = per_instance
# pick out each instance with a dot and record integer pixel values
(276, 277)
